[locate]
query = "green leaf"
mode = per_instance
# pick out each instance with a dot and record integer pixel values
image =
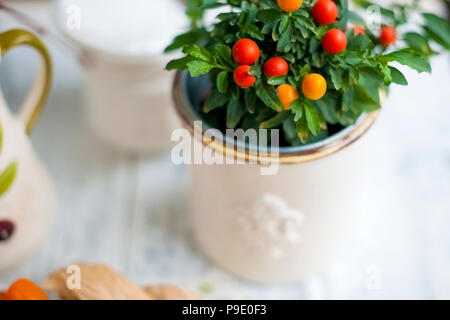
(363, 100)
(355, 18)
(284, 24)
(303, 22)
(7, 178)
(343, 13)
(254, 32)
(438, 26)
(222, 82)
(305, 70)
(199, 53)
(249, 122)
(276, 81)
(235, 111)
(347, 99)
(302, 129)
(250, 100)
(284, 41)
(388, 14)
(371, 82)
(262, 114)
(323, 134)
(327, 106)
(268, 96)
(276, 121)
(314, 45)
(197, 68)
(179, 64)
(223, 53)
(227, 16)
(353, 76)
(411, 59)
(270, 15)
(398, 77)
(214, 101)
(417, 41)
(353, 58)
(297, 109)
(255, 70)
(312, 118)
(290, 131)
(318, 60)
(244, 19)
(385, 73)
(361, 43)
(211, 4)
(267, 28)
(432, 36)
(337, 77)
(184, 39)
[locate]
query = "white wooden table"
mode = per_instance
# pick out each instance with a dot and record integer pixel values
(131, 212)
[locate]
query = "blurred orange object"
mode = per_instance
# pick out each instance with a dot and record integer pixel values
(24, 289)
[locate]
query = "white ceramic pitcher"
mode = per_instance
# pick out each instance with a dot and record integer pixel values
(27, 196)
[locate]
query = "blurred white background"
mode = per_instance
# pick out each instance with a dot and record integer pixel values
(131, 212)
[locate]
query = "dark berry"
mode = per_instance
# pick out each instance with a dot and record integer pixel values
(6, 230)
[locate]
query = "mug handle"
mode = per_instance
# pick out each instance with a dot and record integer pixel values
(38, 94)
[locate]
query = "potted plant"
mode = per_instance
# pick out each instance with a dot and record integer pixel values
(315, 72)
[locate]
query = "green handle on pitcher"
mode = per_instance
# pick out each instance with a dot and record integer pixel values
(38, 94)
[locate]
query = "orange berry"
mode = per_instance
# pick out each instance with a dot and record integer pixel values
(314, 86)
(24, 289)
(287, 95)
(290, 5)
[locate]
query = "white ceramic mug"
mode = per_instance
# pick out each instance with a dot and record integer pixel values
(127, 90)
(128, 103)
(27, 195)
(274, 228)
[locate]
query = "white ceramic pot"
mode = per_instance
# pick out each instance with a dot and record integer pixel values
(275, 228)
(27, 195)
(127, 90)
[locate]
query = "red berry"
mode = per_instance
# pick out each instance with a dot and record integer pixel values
(358, 30)
(334, 41)
(275, 67)
(242, 77)
(324, 12)
(387, 36)
(245, 52)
